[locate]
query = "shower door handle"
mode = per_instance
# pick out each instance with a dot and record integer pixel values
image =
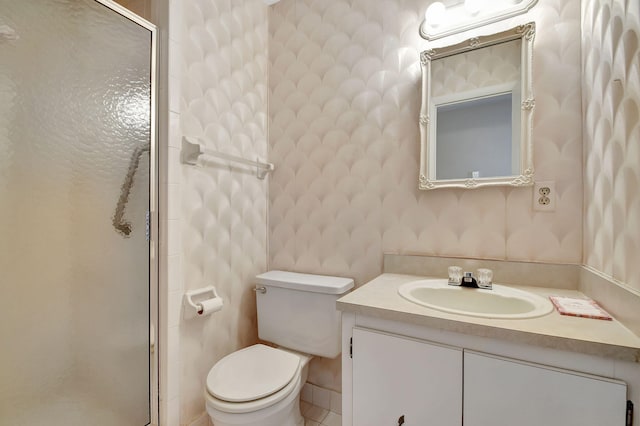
(119, 222)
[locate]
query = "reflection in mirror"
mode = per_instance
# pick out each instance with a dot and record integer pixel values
(476, 115)
(474, 138)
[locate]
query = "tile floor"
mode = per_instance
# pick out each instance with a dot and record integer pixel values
(318, 416)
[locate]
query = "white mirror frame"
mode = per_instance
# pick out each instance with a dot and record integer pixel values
(427, 178)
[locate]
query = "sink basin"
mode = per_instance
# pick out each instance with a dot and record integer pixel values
(500, 303)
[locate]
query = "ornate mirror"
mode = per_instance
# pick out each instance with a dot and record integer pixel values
(477, 112)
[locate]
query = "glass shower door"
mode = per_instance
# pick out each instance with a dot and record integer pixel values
(76, 137)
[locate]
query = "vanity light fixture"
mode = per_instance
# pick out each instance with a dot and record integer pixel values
(473, 7)
(435, 14)
(455, 16)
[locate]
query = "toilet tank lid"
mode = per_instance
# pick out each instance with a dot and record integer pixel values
(305, 282)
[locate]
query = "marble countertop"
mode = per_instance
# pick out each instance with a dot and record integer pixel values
(379, 298)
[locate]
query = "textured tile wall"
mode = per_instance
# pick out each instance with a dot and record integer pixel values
(343, 108)
(611, 87)
(224, 211)
(169, 15)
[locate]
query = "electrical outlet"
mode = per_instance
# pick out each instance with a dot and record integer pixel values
(544, 196)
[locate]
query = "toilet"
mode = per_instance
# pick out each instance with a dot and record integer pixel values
(260, 385)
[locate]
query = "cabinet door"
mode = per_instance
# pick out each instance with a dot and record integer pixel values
(404, 381)
(503, 392)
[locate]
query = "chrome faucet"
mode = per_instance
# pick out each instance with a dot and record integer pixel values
(468, 280)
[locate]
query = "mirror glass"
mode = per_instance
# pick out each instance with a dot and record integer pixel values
(476, 112)
(474, 138)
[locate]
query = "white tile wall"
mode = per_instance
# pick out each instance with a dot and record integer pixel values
(170, 378)
(321, 397)
(320, 407)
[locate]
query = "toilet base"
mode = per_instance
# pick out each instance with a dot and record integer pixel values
(285, 413)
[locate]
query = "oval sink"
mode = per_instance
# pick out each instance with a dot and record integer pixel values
(500, 303)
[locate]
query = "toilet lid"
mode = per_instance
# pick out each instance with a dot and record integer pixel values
(251, 373)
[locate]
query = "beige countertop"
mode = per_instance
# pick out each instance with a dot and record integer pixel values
(379, 298)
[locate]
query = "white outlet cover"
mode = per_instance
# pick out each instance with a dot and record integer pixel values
(551, 206)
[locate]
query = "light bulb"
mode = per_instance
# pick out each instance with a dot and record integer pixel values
(435, 14)
(473, 6)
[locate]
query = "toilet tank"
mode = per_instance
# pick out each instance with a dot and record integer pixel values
(298, 311)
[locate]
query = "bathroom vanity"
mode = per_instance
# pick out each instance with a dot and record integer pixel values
(403, 363)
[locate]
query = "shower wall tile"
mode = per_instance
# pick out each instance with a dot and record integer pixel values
(171, 280)
(174, 62)
(169, 365)
(223, 78)
(173, 166)
(175, 23)
(175, 133)
(173, 201)
(173, 237)
(343, 107)
(174, 94)
(174, 273)
(611, 87)
(173, 411)
(173, 362)
(175, 308)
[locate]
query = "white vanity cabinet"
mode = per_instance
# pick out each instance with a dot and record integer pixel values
(506, 392)
(434, 377)
(405, 381)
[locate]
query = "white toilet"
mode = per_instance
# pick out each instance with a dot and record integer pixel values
(260, 385)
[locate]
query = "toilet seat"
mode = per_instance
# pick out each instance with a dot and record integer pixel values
(252, 378)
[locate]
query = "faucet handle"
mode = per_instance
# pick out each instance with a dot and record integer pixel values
(455, 275)
(485, 278)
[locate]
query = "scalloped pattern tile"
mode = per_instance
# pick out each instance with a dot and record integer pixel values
(611, 67)
(557, 134)
(224, 209)
(344, 101)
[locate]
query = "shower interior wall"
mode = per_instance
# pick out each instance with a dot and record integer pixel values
(63, 313)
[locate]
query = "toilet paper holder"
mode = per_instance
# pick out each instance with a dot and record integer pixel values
(202, 301)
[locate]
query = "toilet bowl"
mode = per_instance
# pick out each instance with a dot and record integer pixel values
(257, 386)
(260, 385)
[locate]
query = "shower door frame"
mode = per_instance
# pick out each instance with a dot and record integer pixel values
(154, 307)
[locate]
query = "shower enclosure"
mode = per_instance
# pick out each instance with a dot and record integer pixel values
(77, 188)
